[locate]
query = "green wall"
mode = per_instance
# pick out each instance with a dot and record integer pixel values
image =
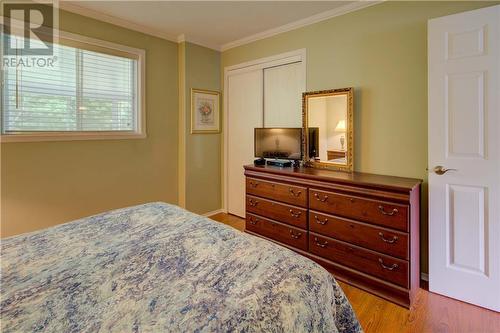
(381, 51)
(202, 155)
(47, 183)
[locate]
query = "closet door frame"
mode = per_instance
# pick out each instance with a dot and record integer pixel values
(258, 64)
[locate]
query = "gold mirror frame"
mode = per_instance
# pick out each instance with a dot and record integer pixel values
(349, 133)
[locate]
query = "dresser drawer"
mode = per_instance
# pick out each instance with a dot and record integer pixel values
(277, 211)
(390, 242)
(280, 232)
(295, 195)
(388, 268)
(368, 210)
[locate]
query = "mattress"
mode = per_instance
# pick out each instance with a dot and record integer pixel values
(157, 267)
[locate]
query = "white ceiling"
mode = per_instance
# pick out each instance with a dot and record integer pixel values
(216, 24)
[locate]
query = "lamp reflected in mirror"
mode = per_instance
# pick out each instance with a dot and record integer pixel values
(341, 128)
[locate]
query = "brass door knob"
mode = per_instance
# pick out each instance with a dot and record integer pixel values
(440, 170)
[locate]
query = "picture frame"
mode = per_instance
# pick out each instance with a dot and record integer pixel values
(205, 111)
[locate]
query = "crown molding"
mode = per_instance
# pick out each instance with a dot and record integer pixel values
(183, 38)
(348, 8)
(68, 6)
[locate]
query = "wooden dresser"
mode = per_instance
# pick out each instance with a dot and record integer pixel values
(364, 228)
(334, 154)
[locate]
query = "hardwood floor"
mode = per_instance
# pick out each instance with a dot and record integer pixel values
(431, 312)
(234, 221)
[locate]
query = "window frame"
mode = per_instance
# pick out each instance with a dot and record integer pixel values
(140, 113)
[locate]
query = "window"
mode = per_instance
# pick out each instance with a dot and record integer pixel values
(92, 90)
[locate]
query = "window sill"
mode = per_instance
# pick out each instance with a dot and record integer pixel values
(76, 136)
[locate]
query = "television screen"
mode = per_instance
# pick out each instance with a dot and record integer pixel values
(313, 134)
(281, 143)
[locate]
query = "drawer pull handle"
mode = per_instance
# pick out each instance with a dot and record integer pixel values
(252, 202)
(382, 210)
(317, 196)
(390, 241)
(295, 235)
(389, 268)
(253, 222)
(319, 221)
(295, 194)
(254, 184)
(323, 245)
(295, 214)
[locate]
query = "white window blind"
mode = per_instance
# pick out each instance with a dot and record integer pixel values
(86, 91)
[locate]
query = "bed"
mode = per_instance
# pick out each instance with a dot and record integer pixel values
(157, 267)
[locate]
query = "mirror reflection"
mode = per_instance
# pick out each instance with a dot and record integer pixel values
(328, 139)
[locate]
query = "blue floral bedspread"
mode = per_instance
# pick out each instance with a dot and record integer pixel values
(159, 268)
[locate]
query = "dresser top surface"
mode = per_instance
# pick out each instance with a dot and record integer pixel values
(358, 178)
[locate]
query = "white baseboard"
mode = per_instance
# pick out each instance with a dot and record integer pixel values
(424, 276)
(218, 211)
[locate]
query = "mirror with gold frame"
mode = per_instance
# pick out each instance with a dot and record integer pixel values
(327, 121)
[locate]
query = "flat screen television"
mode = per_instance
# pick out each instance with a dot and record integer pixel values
(278, 143)
(313, 141)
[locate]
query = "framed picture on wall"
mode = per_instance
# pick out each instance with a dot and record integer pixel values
(205, 111)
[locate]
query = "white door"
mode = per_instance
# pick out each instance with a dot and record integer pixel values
(464, 126)
(244, 104)
(283, 88)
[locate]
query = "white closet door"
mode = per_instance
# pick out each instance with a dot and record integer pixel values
(244, 114)
(283, 88)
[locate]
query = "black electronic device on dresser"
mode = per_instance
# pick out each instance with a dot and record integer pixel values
(277, 146)
(259, 161)
(364, 228)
